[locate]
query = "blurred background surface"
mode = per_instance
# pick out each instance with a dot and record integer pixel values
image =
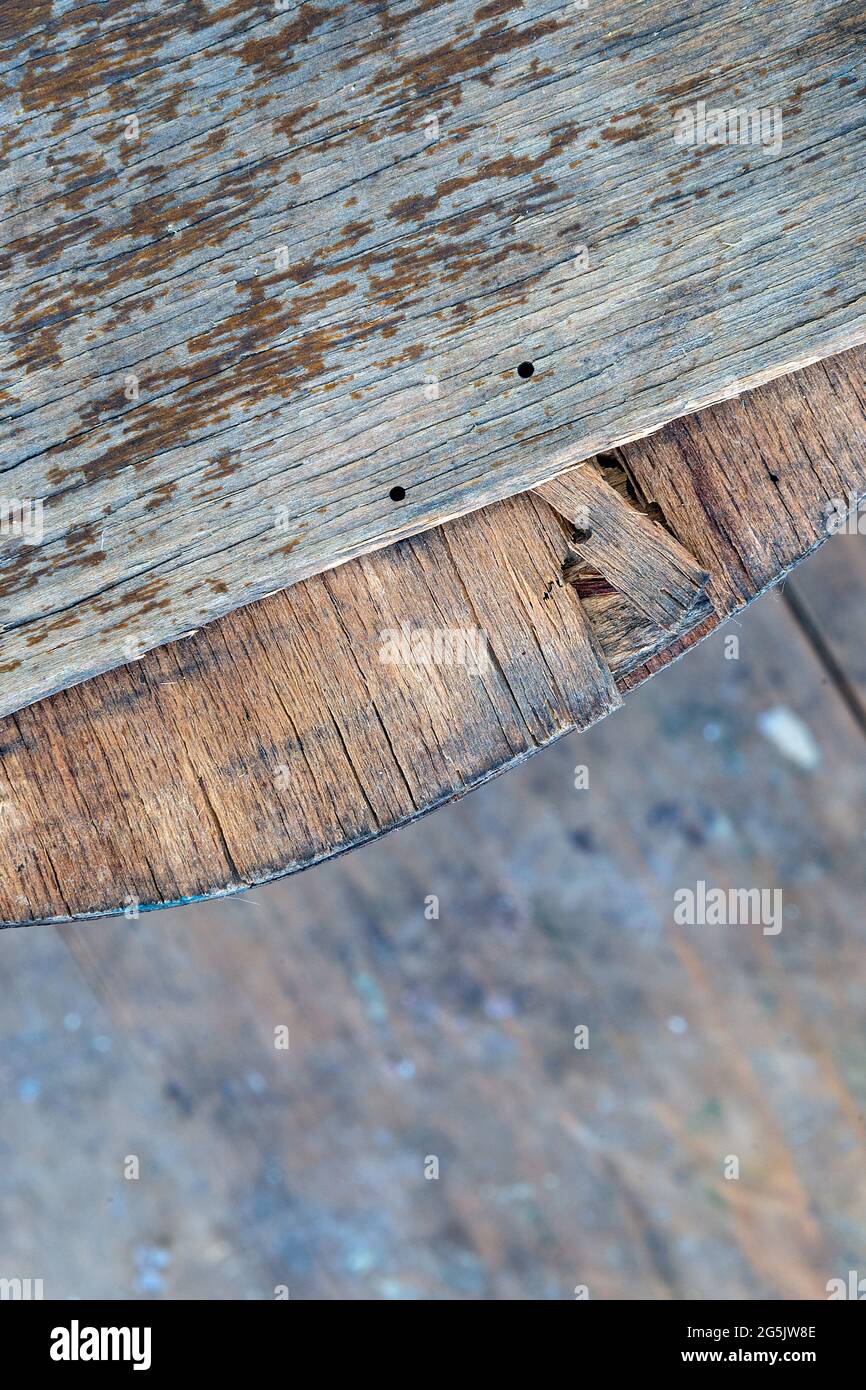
(415, 1037)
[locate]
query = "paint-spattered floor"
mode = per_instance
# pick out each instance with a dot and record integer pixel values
(421, 1042)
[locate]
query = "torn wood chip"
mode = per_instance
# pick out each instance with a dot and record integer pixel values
(638, 557)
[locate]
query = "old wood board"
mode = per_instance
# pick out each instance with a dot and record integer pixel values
(263, 266)
(277, 737)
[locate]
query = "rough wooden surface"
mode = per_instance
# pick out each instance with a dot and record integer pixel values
(637, 556)
(260, 268)
(305, 724)
(277, 736)
(453, 1035)
(775, 480)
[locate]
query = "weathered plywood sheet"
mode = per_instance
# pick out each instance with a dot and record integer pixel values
(260, 267)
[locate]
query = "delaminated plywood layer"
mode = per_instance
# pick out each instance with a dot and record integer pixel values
(260, 267)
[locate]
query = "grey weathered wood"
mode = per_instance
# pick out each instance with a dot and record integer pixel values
(433, 173)
(635, 554)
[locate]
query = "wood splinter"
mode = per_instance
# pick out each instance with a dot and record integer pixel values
(637, 556)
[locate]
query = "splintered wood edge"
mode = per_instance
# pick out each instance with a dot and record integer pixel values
(637, 556)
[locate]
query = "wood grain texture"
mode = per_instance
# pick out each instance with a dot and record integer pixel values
(260, 267)
(626, 638)
(635, 554)
(276, 737)
(772, 471)
(305, 724)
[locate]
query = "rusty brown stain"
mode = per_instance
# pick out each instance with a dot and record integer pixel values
(271, 56)
(626, 134)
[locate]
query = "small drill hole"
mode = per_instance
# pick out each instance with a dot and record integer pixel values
(525, 370)
(397, 493)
